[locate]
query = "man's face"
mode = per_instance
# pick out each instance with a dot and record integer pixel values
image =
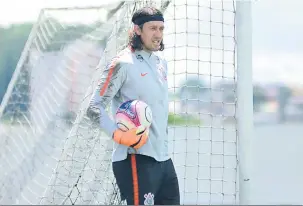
(151, 35)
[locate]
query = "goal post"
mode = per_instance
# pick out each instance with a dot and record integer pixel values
(244, 98)
(53, 154)
(37, 112)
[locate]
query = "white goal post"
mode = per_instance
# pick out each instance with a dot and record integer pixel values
(53, 154)
(245, 98)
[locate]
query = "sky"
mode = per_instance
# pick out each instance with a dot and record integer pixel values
(14, 11)
(277, 31)
(277, 40)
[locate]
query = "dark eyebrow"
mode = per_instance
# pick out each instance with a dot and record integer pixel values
(157, 26)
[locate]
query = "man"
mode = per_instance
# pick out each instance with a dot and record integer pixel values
(144, 172)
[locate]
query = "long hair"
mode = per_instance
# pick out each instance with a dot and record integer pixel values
(135, 41)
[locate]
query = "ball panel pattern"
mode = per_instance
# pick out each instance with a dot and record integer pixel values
(133, 113)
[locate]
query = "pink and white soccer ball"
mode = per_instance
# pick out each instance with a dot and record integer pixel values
(133, 113)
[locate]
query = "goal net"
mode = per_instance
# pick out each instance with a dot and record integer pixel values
(53, 154)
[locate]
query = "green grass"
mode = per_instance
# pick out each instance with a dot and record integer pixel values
(178, 120)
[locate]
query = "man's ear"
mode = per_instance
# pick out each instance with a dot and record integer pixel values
(137, 30)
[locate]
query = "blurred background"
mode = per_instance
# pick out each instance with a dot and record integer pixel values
(277, 91)
(277, 50)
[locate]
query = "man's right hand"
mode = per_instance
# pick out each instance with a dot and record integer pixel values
(135, 137)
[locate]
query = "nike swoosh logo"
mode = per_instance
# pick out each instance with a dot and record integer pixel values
(143, 74)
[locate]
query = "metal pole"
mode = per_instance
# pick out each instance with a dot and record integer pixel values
(244, 97)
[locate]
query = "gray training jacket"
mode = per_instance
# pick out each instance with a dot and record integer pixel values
(137, 75)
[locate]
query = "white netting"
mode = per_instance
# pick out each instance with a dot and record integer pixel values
(52, 154)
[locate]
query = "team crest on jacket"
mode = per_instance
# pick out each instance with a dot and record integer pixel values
(139, 57)
(162, 72)
(149, 199)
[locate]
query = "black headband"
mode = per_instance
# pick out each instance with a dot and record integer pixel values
(144, 19)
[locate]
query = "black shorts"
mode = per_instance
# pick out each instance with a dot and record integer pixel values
(144, 181)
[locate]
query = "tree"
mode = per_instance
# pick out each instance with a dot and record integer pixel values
(14, 37)
(192, 88)
(192, 92)
(12, 41)
(259, 97)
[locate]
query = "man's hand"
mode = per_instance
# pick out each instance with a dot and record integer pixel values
(135, 137)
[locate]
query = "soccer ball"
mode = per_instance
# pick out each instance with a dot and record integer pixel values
(133, 113)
